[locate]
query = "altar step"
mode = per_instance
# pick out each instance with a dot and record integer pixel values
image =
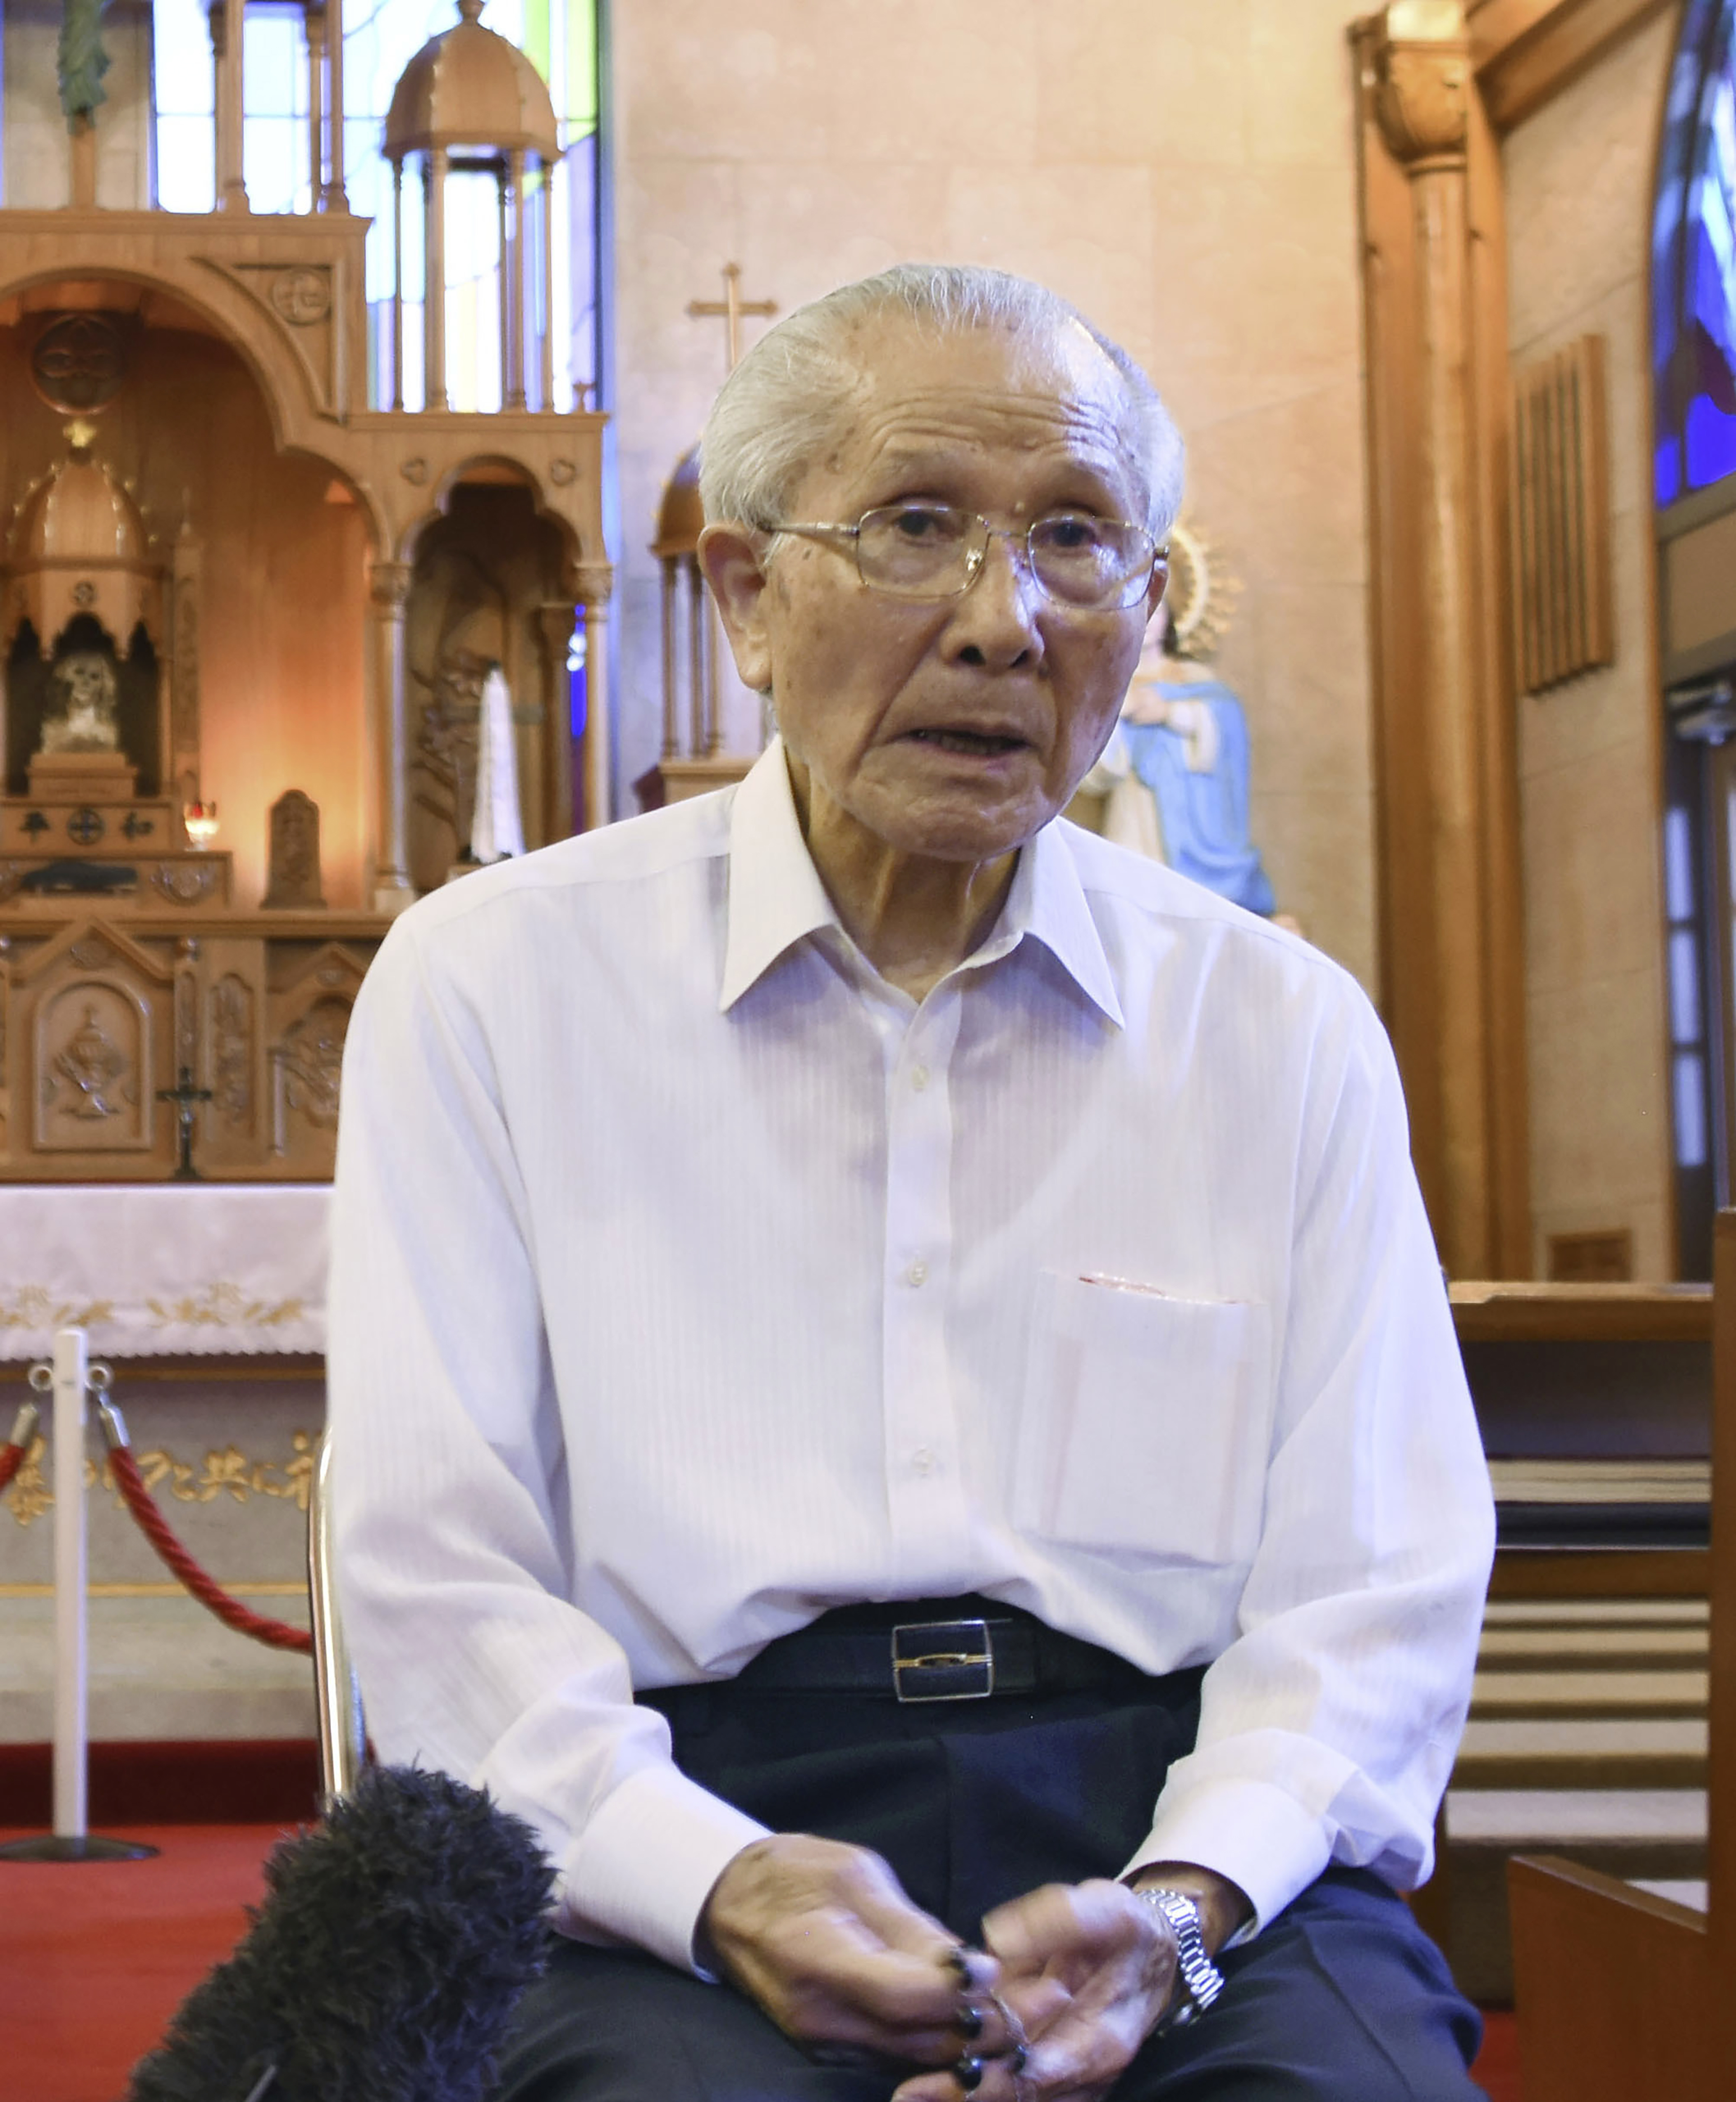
(1587, 1738)
(161, 1668)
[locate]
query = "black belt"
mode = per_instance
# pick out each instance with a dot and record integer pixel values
(906, 1654)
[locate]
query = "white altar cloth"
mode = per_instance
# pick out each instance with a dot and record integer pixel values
(164, 1269)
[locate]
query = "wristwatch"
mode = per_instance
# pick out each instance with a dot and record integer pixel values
(1199, 1979)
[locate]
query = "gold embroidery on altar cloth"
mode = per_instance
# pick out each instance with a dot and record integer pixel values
(34, 1307)
(227, 1471)
(223, 1305)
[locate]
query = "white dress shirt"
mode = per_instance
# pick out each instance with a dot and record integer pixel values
(688, 1279)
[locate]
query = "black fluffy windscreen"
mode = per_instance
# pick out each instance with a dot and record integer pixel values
(392, 1945)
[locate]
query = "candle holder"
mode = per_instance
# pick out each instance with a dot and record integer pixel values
(201, 820)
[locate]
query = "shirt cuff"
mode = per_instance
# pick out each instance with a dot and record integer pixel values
(646, 1860)
(1254, 1834)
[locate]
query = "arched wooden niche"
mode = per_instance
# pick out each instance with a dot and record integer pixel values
(485, 590)
(82, 631)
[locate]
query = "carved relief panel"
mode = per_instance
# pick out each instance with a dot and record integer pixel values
(232, 1131)
(93, 1069)
(309, 1020)
(92, 1021)
(96, 1018)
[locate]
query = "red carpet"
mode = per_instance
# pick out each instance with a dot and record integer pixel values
(96, 1957)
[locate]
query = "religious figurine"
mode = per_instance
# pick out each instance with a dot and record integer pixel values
(82, 716)
(1174, 775)
(293, 882)
(496, 827)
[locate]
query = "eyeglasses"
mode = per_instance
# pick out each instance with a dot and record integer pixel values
(934, 550)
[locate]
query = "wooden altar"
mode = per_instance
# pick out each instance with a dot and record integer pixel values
(246, 614)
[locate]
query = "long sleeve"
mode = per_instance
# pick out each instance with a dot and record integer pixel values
(450, 1468)
(1330, 1724)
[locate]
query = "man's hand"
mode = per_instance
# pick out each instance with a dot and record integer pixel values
(1086, 1968)
(823, 1938)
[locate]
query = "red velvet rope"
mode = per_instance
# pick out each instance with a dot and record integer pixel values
(12, 1459)
(277, 1634)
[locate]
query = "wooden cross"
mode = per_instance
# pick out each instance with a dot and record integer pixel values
(731, 307)
(186, 1099)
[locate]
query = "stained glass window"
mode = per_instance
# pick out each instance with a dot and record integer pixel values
(380, 38)
(1693, 259)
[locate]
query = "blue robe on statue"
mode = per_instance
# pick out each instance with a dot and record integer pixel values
(1205, 815)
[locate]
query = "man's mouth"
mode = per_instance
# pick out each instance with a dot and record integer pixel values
(972, 744)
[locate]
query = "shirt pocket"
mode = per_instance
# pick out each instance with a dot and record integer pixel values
(1145, 1422)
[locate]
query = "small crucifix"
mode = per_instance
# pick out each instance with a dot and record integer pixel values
(731, 307)
(187, 1099)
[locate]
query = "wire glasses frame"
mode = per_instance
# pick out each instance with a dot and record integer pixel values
(937, 550)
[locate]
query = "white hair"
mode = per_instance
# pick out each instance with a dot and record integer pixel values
(779, 409)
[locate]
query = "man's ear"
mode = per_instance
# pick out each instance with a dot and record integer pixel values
(732, 565)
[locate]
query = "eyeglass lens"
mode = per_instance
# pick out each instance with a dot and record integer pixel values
(934, 549)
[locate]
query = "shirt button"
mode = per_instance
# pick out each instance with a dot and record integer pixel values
(923, 1460)
(918, 1078)
(918, 1273)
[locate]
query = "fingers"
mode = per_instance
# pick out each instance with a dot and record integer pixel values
(821, 1937)
(1061, 1924)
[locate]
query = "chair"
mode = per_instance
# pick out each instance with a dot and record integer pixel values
(342, 1731)
(1620, 1992)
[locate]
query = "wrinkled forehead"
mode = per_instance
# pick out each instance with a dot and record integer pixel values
(1050, 394)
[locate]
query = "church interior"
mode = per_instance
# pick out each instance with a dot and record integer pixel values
(352, 368)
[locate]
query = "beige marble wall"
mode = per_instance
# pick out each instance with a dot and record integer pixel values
(1184, 173)
(1580, 177)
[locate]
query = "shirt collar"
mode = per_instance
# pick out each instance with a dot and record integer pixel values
(775, 893)
(1047, 902)
(776, 897)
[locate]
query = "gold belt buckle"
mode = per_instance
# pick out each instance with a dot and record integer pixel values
(943, 1660)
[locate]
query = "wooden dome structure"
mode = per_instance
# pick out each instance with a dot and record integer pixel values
(80, 545)
(468, 86)
(471, 103)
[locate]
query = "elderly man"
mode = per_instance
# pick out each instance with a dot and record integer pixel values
(891, 1389)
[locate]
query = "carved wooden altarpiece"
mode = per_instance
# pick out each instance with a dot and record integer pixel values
(227, 575)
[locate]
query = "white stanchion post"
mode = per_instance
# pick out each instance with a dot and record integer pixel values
(72, 1376)
(70, 1841)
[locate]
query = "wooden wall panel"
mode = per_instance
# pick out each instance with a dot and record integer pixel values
(283, 589)
(1452, 909)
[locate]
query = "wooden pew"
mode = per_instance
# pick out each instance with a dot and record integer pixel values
(1621, 1995)
(1569, 1379)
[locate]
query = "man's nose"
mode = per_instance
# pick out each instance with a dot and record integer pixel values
(995, 621)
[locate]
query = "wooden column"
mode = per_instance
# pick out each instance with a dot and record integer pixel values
(397, 284)
(335, 198)
(512, 282)
(554, 625)
(548, 291)
(434, 277)
(669, 565)
(503, 274)
(699, 739)
(596, 581)
(1452, 909)
(388, 584)
(231, 105)
(314, 17)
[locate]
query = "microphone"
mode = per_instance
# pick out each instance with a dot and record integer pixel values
(393, 1943)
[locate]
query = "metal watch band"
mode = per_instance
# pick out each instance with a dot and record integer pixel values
(1201, 1980)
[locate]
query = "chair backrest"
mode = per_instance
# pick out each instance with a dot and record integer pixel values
(343, 1737)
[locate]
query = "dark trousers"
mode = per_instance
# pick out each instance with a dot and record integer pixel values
(1342, 1998)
